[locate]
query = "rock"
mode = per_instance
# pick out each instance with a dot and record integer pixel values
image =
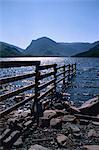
(49, 114)
(38, 147)
(19, 98)
(61, 112)
(5, 134)
(58, 106)
(92, 133)
(90, 107)
(74, 128)
(84, 122)
(63, 140)
(11, 139)
(56, 123)
(28, 124)
(44, 122)
(68, 118)
(95, 123)
(91, 147)
(73, 110)
(77, 135)
(19, 142)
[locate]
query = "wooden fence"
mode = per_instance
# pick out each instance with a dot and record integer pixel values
(64, 73)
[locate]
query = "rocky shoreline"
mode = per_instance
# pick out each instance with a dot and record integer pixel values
(62, 127)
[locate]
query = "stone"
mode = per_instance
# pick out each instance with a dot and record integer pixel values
(5, 134)
(68, 118)
(28, 124)
(60, 112)
(44, 122)
(92, 133)
(56, 123)
(73, 110)
(95, 123)
(19, 98)
(18, 142)
(11, 139)
(63, 140)
(74, 128)
(58, 106)
(90, 107)
(38, 147)
(84, 122)
(49, 114)
(90, 147)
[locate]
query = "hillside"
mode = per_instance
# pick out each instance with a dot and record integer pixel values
(7, 50)
(93, 52)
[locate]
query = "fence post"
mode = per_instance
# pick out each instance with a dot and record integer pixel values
(55, 77)
(75, 68)
(64, 74)
(68, 72)
(35, 104)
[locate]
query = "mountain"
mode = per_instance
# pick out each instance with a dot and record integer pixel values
(7, 50)
(46, 47)
(93, 52)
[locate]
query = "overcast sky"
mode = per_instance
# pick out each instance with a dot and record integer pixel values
(61, 20)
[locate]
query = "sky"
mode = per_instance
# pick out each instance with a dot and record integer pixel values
(22, 21)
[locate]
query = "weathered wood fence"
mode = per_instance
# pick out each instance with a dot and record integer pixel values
(64, 73)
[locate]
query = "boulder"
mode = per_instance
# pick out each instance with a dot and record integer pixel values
(91, 107)
(38, 147)
(18, 142)
(56, 123)
(95, 123)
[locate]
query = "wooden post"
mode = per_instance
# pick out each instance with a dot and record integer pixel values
(55, 72)
(35, 105)
(68, 72)
(64, 74)
(75, 68)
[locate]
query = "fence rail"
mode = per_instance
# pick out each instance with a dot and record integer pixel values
(63, 73)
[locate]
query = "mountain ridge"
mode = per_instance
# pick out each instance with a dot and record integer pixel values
(45, 46)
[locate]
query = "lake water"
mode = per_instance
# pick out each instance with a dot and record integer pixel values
(84, 86)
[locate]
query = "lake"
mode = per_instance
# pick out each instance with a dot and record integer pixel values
(84, 86)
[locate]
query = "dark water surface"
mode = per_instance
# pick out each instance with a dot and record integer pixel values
(84, 86)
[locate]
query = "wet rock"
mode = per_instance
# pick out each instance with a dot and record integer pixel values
(90, 107)
(38, 147)
(90, 147)
(56, 123)
(68, 118)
